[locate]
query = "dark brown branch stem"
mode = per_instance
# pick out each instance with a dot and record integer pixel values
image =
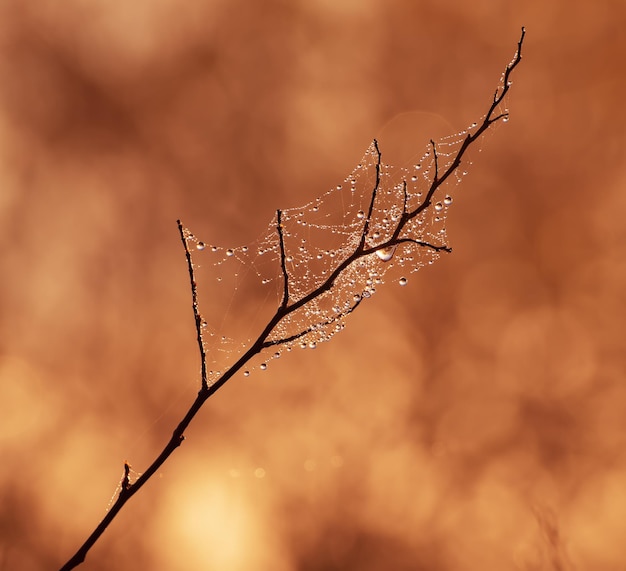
(128, 489)
(194, 302)
(283, 259)
(370, 210)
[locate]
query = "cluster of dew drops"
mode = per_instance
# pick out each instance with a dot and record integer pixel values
(353, 219)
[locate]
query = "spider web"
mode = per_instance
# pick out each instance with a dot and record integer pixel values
(319, 238)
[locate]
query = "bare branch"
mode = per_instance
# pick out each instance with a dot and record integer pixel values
(128, 489)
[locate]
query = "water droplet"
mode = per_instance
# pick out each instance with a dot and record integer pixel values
(289, 259)
(244, 249)
(439, 207)
(447, 200)
(414, 178)
(356, 297)
(214, 248)
(263, 366)
(312, 345)
(230, 252)
(303, 345)
(277, 355)
(505, 119)
(403, 281)
(360, 214)
(246, 373)
(200, 246)
(385, 254)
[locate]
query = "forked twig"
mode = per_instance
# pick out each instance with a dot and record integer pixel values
(285, 308)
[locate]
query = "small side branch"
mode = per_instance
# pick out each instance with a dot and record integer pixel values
(405, 198)
(506, 83)
(316, 326)
(283, 259)
(436, 159)
(397, 241)
(126, 477)
(422, 244)
(370, 210)
(194, 302)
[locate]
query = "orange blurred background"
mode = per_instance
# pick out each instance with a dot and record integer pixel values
(474, 419)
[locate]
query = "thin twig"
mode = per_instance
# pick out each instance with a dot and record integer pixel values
(488, 120)
(370, 210)
(283, 259)
(435, 182)
(194, 302)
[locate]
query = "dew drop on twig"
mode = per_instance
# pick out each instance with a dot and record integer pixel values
(385, 254)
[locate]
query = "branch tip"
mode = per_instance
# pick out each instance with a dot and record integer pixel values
(126, 477)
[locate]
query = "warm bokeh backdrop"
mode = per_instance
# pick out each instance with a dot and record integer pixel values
(473, 420)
